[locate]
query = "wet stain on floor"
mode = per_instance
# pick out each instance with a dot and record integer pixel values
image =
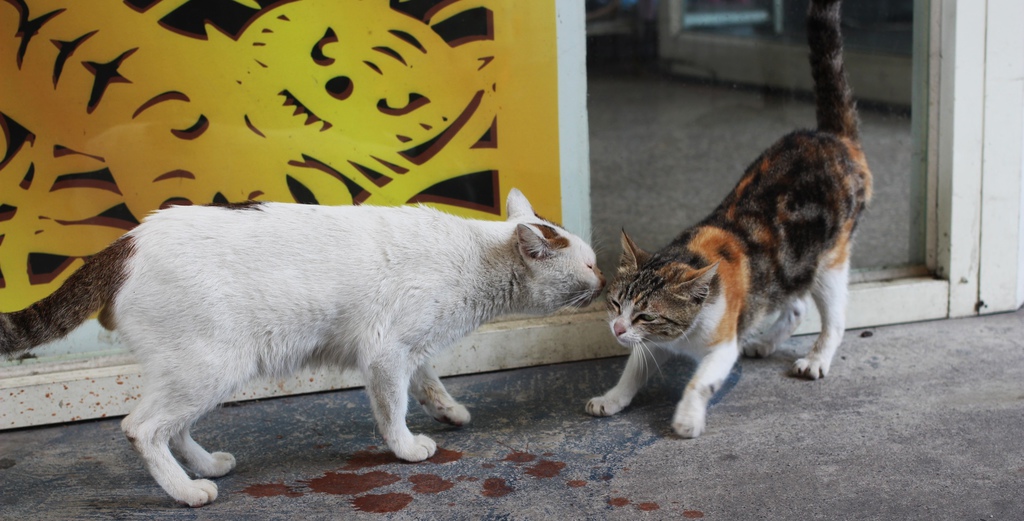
(519, 457)
(361, 475)
(496, 487)
(382, 503)
(350, 483)
(429, 484)
(546, 469)
(271, 490)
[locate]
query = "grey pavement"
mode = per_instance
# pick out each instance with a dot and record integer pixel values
(919, 421)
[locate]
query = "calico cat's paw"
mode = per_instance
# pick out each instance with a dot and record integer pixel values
(758, 349)
(416, 448)
(811, 368)
(195, 493)
(604, 406)
(689, 425)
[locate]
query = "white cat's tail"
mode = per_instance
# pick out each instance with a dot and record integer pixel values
(85, 292)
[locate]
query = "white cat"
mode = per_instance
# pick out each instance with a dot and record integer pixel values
(211, 297)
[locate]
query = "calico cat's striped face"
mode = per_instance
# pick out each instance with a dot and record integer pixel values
(655, 301)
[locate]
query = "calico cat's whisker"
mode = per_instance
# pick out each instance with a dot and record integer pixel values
(650, 352)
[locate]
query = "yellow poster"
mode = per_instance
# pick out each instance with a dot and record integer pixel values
(112, 109)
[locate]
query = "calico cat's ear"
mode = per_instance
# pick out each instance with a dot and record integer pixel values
(517, 205)
(532, 245)
(697, 285)
(632, 255)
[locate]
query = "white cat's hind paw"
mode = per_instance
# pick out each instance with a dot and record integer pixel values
(417, 448)
(810, 367)
(456, 415)
(603, 406)
(223, 463)
(452, 413)
(195, 493)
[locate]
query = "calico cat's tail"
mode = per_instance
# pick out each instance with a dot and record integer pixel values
(836, 110)
(85, 292)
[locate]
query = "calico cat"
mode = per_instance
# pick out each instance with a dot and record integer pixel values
(783, 233)
(211, 297)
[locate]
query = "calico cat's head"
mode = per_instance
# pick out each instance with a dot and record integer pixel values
(657, 300)
(561, 269)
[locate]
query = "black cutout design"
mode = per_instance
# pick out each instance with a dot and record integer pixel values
(194, 131)
(425, 151)
(141, 5)
(26, 182)
(7, 212)
(64, 51)
(339, 87)
(101, 179)
(408, 38)
(476, 191)
(28, 28)
(415, 101)
(16, 136)
(115, 217)
(300, 193)
(227, 16)
(318, 50)
(468, 26)
(388, 51)
(422, 10)
(359, 194)
(105, 73)
(378, 178)
(171, 95)
(43, 268)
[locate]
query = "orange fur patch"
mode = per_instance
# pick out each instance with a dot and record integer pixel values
(862, 163)
(840, 253)
(718, 245)
(554, 239)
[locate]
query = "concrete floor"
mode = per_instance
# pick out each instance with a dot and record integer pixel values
(920, 421)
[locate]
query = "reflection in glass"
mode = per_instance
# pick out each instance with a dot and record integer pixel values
(673, 125)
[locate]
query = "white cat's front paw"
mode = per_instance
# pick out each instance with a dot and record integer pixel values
(689, 425)
(195, 493)
(758, 349)
(810, 367)
(604, 406)
(415, 448)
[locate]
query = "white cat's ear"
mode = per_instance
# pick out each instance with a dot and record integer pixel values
(632, 255)
(532, 245)
(517, 205)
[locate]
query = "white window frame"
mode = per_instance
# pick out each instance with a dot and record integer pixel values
(974, 132)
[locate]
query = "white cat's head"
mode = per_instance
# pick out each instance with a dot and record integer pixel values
(561, 269)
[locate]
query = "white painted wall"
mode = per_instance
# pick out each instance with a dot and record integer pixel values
(1001, 270)
(573, 133)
